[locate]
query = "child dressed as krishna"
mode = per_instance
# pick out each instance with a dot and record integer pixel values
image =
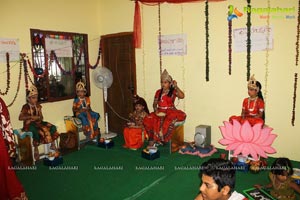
(82, 110)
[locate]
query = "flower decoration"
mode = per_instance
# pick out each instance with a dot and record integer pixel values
(298, 34)
(7, 76)
(247, 140)
(248, 39)
(206, 40)
(294, 99)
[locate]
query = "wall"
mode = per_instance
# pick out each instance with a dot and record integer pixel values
(206, 102)
(215, 101)
(16, 19)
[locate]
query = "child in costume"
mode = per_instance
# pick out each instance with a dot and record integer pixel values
(32, 117)
(253, 106)
(282, 186)
(82, 110)
(134, 134)
(160, 123)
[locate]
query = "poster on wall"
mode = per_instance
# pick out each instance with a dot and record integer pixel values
(259, 38)
(62, 48)
(11, 46)
(173, 45)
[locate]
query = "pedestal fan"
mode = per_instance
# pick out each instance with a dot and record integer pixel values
(103, 79)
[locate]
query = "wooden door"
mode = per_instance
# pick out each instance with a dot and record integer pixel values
(118, 54)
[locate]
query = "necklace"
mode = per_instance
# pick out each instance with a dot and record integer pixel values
(249, 100)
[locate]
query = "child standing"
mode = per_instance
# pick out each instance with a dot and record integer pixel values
(282, 185)
(134, 134)
(82, 110)
(253, 106)
(32, 117)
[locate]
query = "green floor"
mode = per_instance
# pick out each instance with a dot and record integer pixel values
(118, 173)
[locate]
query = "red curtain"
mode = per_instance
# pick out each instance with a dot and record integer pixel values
(137, 15)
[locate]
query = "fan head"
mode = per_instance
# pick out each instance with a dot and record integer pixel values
(102, 77)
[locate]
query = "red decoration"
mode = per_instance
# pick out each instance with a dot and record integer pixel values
(137, 15)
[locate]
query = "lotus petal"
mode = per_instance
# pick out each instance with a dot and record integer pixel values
(269, 140)
(246, 132)
(256, 132)
(233, 146)
(225, 141)
(236, 130)
(269, 149)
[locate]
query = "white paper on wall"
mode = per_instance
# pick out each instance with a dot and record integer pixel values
(61, 47)
(259, 38)
(10, 45)
(173, 45)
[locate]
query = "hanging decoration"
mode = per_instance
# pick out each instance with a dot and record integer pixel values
(298, 35)
(229, 46)
(137, 32)
(159, 39)
(267, 56)
(34, 70)
(296, 74)
(294, 99)
(53, 58)
(7, 76)
(98, 58)
(19, 81)
(248, 39)
(206, 41)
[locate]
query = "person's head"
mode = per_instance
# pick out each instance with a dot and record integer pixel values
(254, 87)
(80, 89)
(218, 179)
(282, 168)
(32, 95)
(166, 80)
(140, 104)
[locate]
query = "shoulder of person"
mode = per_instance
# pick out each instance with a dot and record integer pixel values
(236, 196)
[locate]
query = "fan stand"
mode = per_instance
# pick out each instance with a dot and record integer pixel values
(107, 134)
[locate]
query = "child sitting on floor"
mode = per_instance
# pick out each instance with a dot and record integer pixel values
(134, 134)
(282, 185)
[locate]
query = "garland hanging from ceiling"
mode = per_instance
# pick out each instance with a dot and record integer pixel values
(248, 39)
(267, 55)
(7, 76)
(296, 74)
(229, 46)
(206, 41)
(19, 81)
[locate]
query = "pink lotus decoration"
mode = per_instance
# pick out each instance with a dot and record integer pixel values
(246, 140)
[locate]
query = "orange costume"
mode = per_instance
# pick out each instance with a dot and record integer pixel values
(135, 134)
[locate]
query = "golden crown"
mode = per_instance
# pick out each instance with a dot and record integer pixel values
(32, 91)
(252, 83)
(80, 86)
(166, 76)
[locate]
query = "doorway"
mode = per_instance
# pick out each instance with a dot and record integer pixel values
(118, 55)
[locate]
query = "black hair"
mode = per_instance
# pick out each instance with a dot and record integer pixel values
(281, 165)
(221, 171)
(170, 93)
(259, 94)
